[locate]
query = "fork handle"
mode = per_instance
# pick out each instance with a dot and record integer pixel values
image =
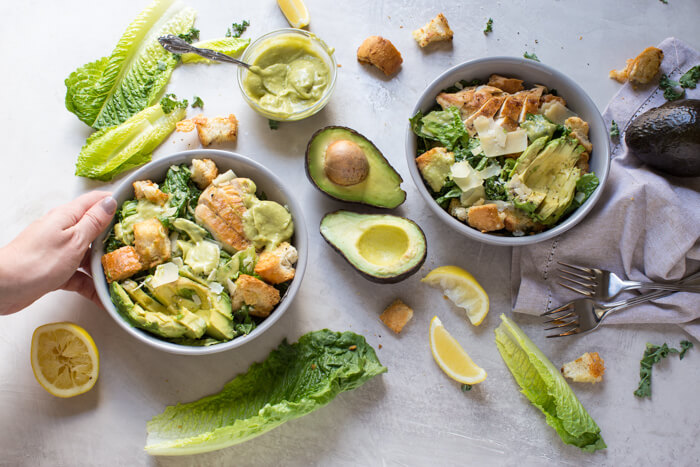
(634, 285)
(650, 295)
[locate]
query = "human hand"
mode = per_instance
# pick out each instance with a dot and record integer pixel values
(49, 254)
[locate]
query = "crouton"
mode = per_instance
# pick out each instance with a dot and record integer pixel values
(277, 266)
(434, 166)
(582, 162)
(588, 368)
(122, 263)
(457, 210)
(216, 129)
(396, 315)
(437, 29)
(485, 218)
(381, 53)
(185, 126)
(641, 69)
(151, 242)
(146, 189)
(259, 296)
(204, 171)
(579, 130)
(509, 85)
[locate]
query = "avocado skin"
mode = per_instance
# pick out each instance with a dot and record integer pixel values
(667, 138)
(353, 134)
(382, 280)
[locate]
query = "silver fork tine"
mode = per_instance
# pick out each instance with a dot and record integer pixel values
(566, 307)
(573, 274)
(574, 289)
(579, 268)
(567, 333)
(573, 322)
(554, 320)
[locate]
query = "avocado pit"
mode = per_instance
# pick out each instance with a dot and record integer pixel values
(345, 163)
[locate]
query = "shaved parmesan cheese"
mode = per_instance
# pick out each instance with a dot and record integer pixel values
(516, 141)
(165, 274)
(216, 287)
(556, 112)
(490, 171)
(224, 178)
(483, 125)
(469, 198)
(465, 176)
(197, 301)
(477, 150)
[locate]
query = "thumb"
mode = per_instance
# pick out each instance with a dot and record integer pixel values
(96, 219)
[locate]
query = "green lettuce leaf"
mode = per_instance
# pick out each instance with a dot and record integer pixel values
(293, 381)
(445, 126)
(108, 91)
(231, 46)
(542, 383)
(115, 149)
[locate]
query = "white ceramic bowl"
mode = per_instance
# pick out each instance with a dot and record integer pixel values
(531, 72)
(265, 181)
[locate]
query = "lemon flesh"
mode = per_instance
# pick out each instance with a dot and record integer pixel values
(451, 357)
(462, 289)
(64, 359)
(295, 11)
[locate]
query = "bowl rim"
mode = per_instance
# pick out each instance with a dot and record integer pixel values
(595, 122)
(301, 114)
(300, 241)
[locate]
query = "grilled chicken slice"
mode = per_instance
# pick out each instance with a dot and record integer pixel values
(468, 100)
(221, 209)
(531, 103)
(488, 110)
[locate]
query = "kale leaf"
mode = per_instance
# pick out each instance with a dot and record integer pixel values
(614, 129)
(449, 191)
(668, 85)
(489, 26)
(690, 78)
(190, 36)
(531, 56)
(495, 189)
(197, 102)
(652, 355)
(169, 103)
(183, 193)
(237, 29)
(273, 124)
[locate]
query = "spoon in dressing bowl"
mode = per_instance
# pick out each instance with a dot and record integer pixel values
(178, 45)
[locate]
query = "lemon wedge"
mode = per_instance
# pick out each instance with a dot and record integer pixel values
(65, 359)
(295, 11)
(464, 291)
(451, 357)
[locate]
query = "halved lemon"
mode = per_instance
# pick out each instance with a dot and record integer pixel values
(295, 11)
(464, 291)
(65, 359)
(451, 357)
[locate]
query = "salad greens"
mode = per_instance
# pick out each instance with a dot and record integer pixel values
(690, 78)
(197, 102)
(112, 89)
(231, 46)
(542, 383)
(669, 87)
(652, 355)
(115, 149)
(531, 56)
(293, 381)
(489, 26)
(237, 29)
(614, 129)
(190, 36)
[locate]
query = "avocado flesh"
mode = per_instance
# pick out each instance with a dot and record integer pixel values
(382, 247)
(155, 322)
(544, 184)
(667, 138)
(381, 188)
(538, 126)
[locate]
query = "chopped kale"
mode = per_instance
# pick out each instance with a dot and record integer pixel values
(169, 103)
(197, 102)
(237, 29)
(690, 78)
(449, 191)
(531, 56)
(489, 26)
(495, 189)
(466, 387)
(652, 355)
(614, 129)
(273, 124)
(190, 36)
(669, 87)
(183, 193)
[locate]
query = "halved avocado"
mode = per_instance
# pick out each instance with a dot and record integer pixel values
(347, 166)
(382, 247)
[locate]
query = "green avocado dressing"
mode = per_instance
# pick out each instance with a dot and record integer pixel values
(266, 223)
(287, 76)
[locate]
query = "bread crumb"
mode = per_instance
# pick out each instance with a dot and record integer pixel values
(641, 69)
(588, 368)
(437, 29)
(397, 315)
(381, 53)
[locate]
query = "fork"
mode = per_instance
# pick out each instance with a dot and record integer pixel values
(585, 314)
(604, 285)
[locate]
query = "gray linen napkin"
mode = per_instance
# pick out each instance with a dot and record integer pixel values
(644, 227)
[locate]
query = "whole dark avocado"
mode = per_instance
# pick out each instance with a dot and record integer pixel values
(667, 138)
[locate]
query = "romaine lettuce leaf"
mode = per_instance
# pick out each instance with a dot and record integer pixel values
(293, 381)
(231, 46)
(543, 384)
(112, 89)
(112, 150)
(445, 126)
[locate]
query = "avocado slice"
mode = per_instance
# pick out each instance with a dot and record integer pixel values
(667, 138)
(219, 318)
(538, 126)
(382, 247)
(347, 166)
(155, 322)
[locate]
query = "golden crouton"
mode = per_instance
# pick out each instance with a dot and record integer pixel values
(122, 263)
(259, 296)
(277, 266)
(185, 126)
(588, 368)
(579, 130)
(434, 166)
(437, 29)
(204, 171)
(397, 315)
(146, 189)
(509, 85)
(151, 242)
(641, 69)
(381, 53)
(216, 129)
(485, 218)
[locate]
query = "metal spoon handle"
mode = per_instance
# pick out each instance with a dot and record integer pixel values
(178, 45)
